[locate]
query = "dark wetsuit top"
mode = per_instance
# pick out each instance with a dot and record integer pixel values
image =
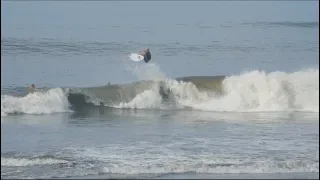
(147, 57)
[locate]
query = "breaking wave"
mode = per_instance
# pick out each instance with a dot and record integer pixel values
(250, 91)
(47, 102)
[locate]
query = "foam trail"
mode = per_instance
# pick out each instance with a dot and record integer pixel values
(51, 101)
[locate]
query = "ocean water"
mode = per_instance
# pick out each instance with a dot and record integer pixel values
(231, 91)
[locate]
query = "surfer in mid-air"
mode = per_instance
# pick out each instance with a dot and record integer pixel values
(146, 55)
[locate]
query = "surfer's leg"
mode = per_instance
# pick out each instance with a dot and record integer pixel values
(146, 59)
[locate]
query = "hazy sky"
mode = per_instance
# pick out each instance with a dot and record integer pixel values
(15, 13)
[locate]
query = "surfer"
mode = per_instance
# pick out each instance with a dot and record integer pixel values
(146, 55)
(32, 88)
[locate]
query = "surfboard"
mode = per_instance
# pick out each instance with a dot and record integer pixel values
(135, 57)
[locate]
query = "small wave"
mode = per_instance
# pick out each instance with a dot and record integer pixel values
(15, 162)
(285, 24)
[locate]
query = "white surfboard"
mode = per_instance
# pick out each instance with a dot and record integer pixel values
(135, 57)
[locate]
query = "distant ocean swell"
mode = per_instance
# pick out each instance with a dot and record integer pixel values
(56, 47)
(296, 24)
(253, 91)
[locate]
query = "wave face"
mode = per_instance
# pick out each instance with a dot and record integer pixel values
(253, 91)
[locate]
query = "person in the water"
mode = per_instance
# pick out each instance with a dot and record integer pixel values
(146, 55)
(32, 88)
